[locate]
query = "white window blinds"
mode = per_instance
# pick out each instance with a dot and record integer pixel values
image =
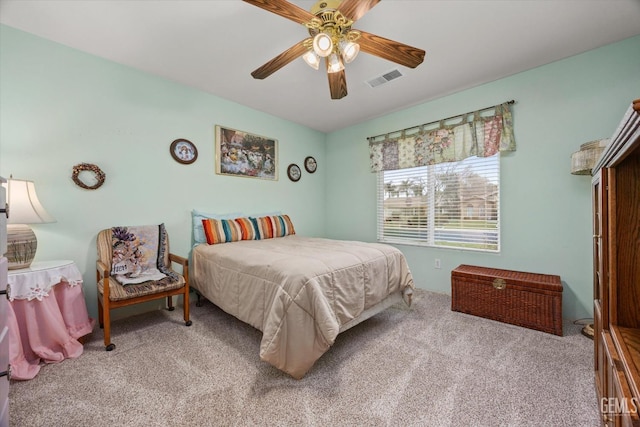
(454, 204)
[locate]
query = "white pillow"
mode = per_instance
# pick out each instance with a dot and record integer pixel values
(198, 216)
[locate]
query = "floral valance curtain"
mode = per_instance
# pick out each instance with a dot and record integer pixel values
(449, 140)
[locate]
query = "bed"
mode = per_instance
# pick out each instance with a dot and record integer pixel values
(300, 291)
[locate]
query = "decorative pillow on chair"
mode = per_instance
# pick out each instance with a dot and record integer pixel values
(138, 253)
(221, 230)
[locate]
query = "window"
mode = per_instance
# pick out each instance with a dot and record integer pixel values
(454, 205)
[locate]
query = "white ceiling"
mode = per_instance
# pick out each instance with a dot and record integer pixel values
(213, 45)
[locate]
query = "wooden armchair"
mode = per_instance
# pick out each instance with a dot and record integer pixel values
(127, 256)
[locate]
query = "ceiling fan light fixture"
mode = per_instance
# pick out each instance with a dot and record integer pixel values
(312, 59)
(335, 64)
(322, 45)
(349, 50)
(331, 37)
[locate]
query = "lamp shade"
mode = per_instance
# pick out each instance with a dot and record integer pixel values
(349, 50)
(24, 206)
(322, 45)
(335, 64)
(312, 59)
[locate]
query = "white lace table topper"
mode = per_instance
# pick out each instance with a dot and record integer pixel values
(36, 281)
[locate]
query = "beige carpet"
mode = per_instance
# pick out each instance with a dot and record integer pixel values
(424, 366)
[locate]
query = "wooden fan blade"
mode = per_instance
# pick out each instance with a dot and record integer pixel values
(284, 9)
(355, 9)
(391, 50)
(280, 61)
(337, 84)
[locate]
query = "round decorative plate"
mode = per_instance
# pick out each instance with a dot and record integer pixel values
(294, 172)
(183, 151)
(310, 164)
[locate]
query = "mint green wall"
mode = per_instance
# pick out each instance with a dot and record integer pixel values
(546, 211)
(60, 107)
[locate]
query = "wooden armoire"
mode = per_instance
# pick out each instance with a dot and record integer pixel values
(616, 252)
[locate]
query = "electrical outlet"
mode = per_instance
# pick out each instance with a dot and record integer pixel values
(437, 264)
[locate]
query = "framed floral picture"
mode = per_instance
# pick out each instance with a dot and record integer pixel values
(240, 153)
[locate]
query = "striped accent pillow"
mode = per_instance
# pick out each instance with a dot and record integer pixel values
(267, 227)
(221, 230)
(282, 226)
(264, 227)
(247, 229)
(257, 228)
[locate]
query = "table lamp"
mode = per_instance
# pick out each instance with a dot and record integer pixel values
(24, 209)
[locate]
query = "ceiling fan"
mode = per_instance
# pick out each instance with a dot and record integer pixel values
(332, 38)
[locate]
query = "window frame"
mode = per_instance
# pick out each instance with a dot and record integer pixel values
(429, 240)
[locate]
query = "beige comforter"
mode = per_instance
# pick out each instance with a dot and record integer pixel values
(297, 290)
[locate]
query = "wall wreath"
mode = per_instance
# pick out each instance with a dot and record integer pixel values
(88, 167)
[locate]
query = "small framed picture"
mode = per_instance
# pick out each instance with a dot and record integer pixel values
(183, 151)
(310, 164)
(293, 172)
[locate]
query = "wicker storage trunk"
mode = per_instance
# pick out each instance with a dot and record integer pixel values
(525, 299)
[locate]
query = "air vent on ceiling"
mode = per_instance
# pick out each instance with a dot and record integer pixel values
(385, 78)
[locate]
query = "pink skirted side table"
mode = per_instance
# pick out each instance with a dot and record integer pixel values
(47, 314)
